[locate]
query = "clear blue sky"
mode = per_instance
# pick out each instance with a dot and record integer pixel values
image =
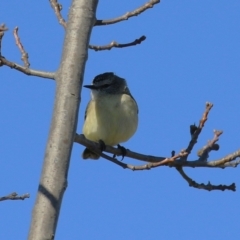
(191, 56)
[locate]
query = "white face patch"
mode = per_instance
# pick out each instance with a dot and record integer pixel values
(94, 94)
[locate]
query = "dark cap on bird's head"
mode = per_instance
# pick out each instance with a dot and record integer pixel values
(108, 82)
(101, 77)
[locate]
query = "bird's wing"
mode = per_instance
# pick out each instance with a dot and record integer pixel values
(85, 115)
(127, 91)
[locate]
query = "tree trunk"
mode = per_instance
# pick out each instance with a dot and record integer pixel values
(69, 80)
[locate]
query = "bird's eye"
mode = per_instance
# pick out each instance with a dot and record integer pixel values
(105, 85)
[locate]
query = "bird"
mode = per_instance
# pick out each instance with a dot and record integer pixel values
(111, 115)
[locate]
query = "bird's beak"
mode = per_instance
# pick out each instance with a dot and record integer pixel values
(90, 86)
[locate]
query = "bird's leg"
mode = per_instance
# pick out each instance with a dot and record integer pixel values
(102, 145)
(123, 149)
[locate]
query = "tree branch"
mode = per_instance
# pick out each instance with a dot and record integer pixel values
(2, 30)
(203, 186)
(211, 145)
(127, 15)
(227, 161)
(145, 166)
(198, 129)
(117, 45)
(14, 196)
(27, 71)
(24, 56)
(57, 9)
(96, 147)
(24, 69)
(178, 161)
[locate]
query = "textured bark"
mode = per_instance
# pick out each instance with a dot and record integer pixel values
(64, 121)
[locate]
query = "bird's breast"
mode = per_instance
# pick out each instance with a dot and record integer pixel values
(113, 119)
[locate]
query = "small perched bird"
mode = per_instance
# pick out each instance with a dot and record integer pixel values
(112, 113)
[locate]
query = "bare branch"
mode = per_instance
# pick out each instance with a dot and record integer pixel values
(117, 45)
(198, 130)
(2, 30)
(178, 161)
(211, 145)
(80, 138)
(208, 186)
(24, 56)
(127, 15)
(24, 69)
(27, 71)
(57, 9)
(145, 166)
(14, 196)
(219, 163)
(227, 161)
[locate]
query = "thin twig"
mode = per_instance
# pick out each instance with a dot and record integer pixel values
(24, 69)
(208, 186)
(117, 45)
(211, 145)
(57, 9)
(127, 15)
(14, 196)
(27, 71)
(148, 166)
(227, 161)
(2, 30)
(24, 56)
(198, 130)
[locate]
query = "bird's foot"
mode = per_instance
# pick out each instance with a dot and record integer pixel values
(123, 150)
(102, 145)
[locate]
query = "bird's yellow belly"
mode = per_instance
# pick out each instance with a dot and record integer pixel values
(111, 120)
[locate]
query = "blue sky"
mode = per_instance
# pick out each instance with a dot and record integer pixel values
(191, 55)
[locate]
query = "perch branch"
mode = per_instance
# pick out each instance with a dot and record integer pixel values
(80, 138)
(24, 56)
(14, 196)
(208, 186)
(226, 161)
(127, 15)
(57, 9)
(142, 167)
(117, 45)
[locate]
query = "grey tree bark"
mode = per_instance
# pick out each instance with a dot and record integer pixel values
(69, 79)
